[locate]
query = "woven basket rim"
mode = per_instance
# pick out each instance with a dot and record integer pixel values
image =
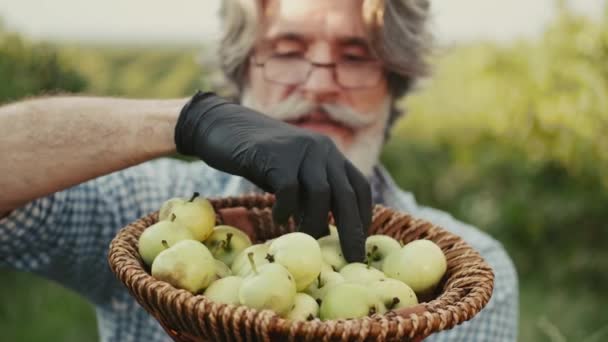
(460, 302)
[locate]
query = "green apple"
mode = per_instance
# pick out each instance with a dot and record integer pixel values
(241, 265)
(151, 240)
(270, 286)
(196, 214)
(331, 252)
(226, 242)
(420, 264)
(359, 273)
(393, 293)
(348, 300)
(221, 270)
(325, 267)
(326, 279)
(305, 308)
(165, 210)
(300, 254)
(186, 265)
(378, 247)
(225, 290)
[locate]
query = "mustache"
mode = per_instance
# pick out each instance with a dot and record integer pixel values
(295, 107)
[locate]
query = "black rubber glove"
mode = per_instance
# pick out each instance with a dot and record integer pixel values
(305, 170)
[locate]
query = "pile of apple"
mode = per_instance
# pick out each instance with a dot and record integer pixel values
(296, 276)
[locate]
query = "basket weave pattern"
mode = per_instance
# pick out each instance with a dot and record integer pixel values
(464, 291)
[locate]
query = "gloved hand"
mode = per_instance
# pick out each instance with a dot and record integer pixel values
(305, 170)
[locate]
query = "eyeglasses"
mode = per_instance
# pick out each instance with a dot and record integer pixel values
(291, 70)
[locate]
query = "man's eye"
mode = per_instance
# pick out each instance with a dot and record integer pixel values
(288, 55)
(355, 58)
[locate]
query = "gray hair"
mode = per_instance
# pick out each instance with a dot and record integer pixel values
(397, 31)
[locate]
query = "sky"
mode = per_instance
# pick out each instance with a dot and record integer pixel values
(187, 21)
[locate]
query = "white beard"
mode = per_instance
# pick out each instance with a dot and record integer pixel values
(366, 145)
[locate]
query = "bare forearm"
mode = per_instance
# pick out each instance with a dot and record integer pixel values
(49, 144)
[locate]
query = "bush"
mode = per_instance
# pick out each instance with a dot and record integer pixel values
(144, 71)
(521, 151)
(28, 69)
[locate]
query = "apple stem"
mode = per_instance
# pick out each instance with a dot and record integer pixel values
(252, 262)
(310, 317)
(319, 281)
(372, 256)
(228, 238)
(173, 217)
(165, 244)
(270, 257)
(393, 303)
(217, 245)
(194, 195)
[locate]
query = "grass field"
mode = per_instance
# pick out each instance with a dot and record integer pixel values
(35, 310)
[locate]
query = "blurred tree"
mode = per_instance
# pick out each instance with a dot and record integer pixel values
(28, 69)
(145, 71)
(521, 150)
(547, 97)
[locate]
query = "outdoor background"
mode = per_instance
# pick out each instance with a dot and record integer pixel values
(510, 134)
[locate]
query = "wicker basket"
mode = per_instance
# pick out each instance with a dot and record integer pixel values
(464, 291)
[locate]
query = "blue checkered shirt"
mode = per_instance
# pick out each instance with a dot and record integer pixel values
(64, 237)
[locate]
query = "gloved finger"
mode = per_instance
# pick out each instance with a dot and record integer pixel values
(315, 194)
(363, 192)
(286, 189)
(346, 210)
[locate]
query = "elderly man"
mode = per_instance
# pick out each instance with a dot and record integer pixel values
(325, 75)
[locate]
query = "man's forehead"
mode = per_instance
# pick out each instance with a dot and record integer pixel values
(311, 19)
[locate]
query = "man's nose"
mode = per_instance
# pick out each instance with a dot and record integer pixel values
(321, 82)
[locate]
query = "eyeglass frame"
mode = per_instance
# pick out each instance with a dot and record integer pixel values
(311, 65)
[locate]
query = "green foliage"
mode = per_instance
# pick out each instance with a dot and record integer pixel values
(28, 69)
(33, 310)
(144, 72)
(546, 97)
(513, 139)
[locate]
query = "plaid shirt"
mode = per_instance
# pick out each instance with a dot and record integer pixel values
(65, 236)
